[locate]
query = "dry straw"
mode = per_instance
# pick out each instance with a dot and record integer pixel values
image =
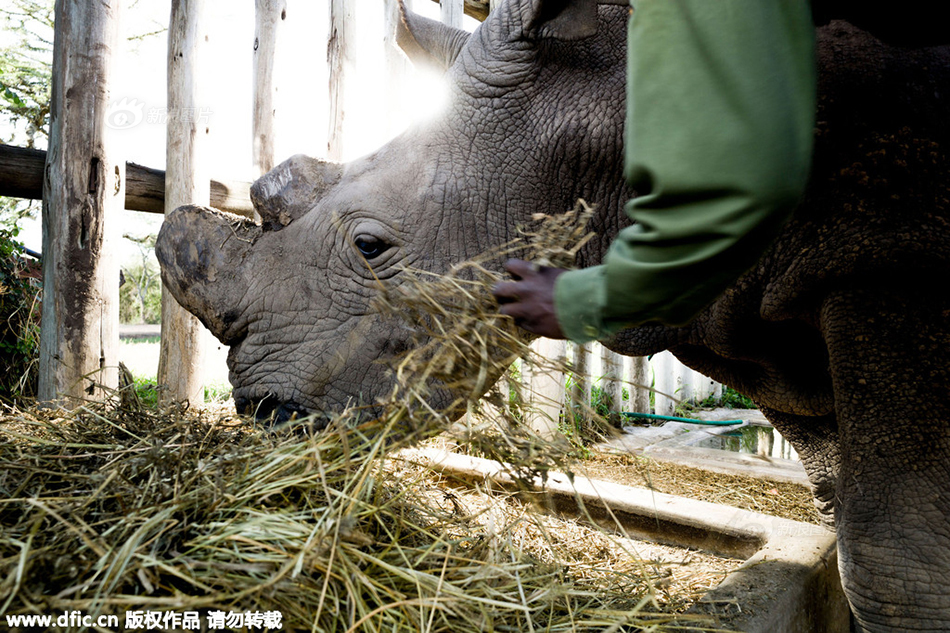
(119, 507)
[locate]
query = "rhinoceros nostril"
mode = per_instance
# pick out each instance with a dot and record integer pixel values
(271, 409)
(260, 408)
(287, 412)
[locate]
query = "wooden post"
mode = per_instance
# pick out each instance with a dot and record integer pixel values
(675, 383)
(639, 382)
(546, 388)
(182, 352)
(397, 66)
(580, 394)
(340, 58)
(269, 15)
(452, 12)
(611, 382)
(84, 189)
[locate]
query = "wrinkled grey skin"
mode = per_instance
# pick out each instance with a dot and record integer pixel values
(840, 333)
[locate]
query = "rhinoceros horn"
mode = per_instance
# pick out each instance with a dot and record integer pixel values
(201, 251)
(291, 189)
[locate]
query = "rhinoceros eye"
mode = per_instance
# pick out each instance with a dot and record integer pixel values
(371, 247)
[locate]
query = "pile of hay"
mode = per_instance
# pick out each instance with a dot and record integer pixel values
(114, 511)
(118, 508)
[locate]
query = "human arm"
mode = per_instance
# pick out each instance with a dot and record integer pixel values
(720, 107)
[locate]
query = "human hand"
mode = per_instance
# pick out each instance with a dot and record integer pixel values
(529, 299)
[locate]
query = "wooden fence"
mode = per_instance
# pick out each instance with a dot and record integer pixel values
(617, 383)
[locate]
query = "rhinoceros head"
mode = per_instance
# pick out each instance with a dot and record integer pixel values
(527, 130)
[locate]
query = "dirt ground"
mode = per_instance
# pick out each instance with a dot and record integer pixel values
(786, 500)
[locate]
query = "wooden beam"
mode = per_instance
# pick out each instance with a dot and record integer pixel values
(477, 9)
(21, 176)
(83, 189)
(21, 172)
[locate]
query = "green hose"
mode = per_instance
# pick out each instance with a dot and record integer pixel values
(670, 418)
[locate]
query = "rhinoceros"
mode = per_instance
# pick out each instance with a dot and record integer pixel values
(841, 333)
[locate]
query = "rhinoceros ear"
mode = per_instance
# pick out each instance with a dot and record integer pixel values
(427, 42)
(202, 252)
(561, 19)
(291, 189)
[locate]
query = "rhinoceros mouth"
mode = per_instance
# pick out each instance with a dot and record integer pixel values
(275, 413)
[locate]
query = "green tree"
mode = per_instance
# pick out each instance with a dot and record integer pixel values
(141, 295)
(19, 320)
(26, 62)
(25, 71)
(26, 58)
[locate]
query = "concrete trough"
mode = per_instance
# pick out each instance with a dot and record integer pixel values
(788, 583)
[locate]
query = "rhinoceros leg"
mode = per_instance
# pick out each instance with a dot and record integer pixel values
(890, 364)
(816, 441)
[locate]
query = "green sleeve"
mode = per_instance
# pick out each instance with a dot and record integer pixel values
(718, 139)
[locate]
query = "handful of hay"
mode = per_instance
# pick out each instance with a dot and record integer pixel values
(464, 343)
(119, 508)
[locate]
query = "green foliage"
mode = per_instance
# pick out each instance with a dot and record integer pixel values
(602, 403)
(25, 70)
(144, 340)
(140, 297)
(12, 210)
(25, 77)
(19, 321)
(586, 424)
(147, 392)
(732, 399)
(515, 396)
(218, 392)
(685, 408)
